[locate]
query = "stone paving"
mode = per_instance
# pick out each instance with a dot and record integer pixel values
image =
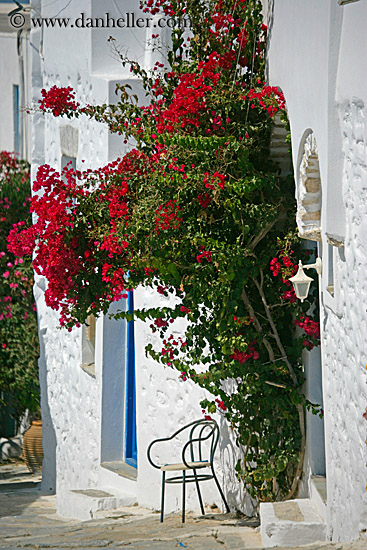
(28, 520)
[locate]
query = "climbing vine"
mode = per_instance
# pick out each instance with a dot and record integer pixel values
(197, 210)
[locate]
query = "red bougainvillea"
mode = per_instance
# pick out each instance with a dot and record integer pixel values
(59, 101)
(198, 210)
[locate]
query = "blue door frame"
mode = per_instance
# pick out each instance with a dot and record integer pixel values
(131, 454)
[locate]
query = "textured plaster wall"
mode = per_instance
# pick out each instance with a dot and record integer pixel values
(344, 344)
(316, 56)
(70, 406)
(70, 397)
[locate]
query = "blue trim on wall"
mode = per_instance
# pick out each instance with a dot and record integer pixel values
(131, 454)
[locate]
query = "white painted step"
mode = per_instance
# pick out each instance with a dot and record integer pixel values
(291, 523)
(84, 504)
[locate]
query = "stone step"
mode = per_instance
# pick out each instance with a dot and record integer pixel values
(291, 523)
(85, 504)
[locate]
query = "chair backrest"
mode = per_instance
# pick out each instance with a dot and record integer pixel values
(203, 440)
(201, 443)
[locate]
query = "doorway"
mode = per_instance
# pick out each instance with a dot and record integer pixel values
(131, 454)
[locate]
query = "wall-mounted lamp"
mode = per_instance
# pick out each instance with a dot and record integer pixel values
(301, 282)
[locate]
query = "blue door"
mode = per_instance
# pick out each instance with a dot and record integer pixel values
(130, 412)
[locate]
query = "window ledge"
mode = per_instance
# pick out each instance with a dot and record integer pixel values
(89, 369)
(121, 468)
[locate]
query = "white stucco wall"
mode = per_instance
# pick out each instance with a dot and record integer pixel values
(8, 77)
(14, 70)
(316, 55)
(83, 416)
(344, 332)
(70, 397)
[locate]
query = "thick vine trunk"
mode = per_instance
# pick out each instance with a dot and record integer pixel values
(268, 346)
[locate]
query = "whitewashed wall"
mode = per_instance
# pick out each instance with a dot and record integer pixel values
(316, 55)
(8, 77)
(70, 398)
(14, 70)
(83, 415)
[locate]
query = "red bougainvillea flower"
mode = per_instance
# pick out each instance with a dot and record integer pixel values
(220, 405)
(204, 255)
(275, 266)
(243, 356)
(58, 101)
(290, 295)
(310, 327)
(166, 216)
(204, 200)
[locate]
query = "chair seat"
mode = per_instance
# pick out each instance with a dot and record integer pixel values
(182, 466)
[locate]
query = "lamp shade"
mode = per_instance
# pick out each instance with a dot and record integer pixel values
(301, 283)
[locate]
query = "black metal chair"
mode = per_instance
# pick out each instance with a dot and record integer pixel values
(201, 444)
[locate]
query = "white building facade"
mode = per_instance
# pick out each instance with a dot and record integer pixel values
(15, 79)
(88, 427)
(317, 56)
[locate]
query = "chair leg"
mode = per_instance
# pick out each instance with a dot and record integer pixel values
(199, 493)
(162, 499)
(183, 495)
(220, 491)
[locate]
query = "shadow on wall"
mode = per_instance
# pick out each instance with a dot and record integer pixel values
(48, 431)
(233, 489)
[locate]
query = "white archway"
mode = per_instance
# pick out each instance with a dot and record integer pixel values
(308, 189)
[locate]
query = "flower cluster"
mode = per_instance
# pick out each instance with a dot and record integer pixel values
(166, 217)
(221, 406)
(155, 6)
(270, 98)
(312, 330)
(187, 105)
(204, 255)
(63, 254)
(58, 101)
(287, 268)
(170, 350)
(243, 356)
(216, 179)
(204, 200)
